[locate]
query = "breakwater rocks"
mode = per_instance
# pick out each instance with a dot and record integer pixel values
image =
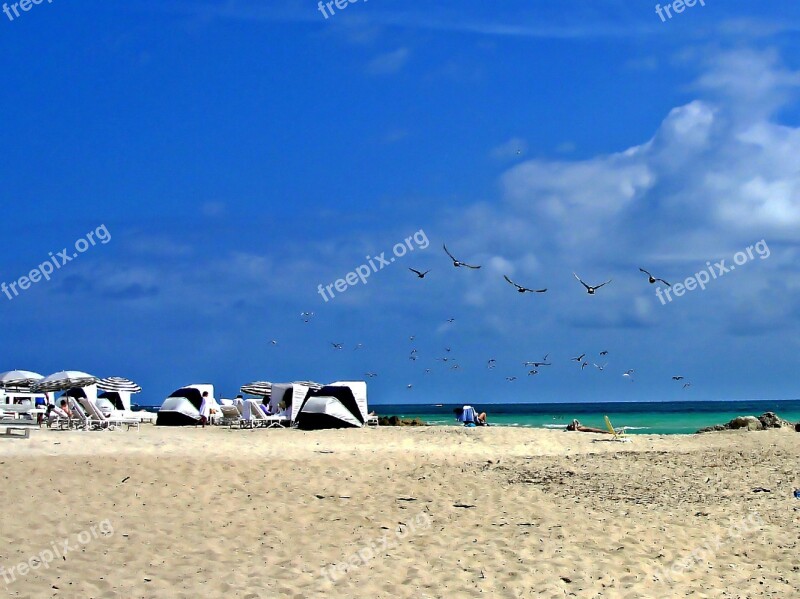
(767, 420)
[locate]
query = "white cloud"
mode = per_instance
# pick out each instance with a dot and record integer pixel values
(389, 63)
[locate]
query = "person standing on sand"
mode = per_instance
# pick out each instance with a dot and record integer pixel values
(204, 410)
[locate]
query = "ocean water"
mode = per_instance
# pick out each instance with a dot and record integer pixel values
(645, 417)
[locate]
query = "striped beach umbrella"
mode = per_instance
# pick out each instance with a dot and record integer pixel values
(118, 384)
(263, 388)
(16, 379)
(310, 384)
(61, 381)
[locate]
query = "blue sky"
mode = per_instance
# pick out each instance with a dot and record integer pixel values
(240, 155)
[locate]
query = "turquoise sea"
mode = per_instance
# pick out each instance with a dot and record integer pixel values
(644, 417)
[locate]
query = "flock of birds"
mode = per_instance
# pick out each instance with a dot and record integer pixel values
(532, 366)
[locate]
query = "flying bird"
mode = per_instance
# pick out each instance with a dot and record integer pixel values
(533, 372)
(409, 386)
(273, 342)
(653, 279)
(371, 374)
(604, 352)
(589, 288)
(412, 337)
(584, 365)
(687, 385)
(337, 345)
(601, 368)
(677, 378)
(511, 379)
(451, 320)
(628, 372)
(359, 346)
(458, 263)
(427, 370)
(420, 275)
(306, 316)
(491, 363)
(578, 358)
(522, 289)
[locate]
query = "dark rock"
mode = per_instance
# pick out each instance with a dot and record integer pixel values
(750, 423)
(772, 420)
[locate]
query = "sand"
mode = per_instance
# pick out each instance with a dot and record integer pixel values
(398, 512)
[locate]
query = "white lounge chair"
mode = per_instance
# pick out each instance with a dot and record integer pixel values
(100, 420)
(230, 416)
(257, 416)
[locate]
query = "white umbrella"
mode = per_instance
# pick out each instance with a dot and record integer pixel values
(310, 384)
(18, 378)
(118, 384)
(66, 379)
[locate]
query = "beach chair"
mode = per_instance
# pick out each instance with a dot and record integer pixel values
(257, 416)
(101, 421)
(230, 416)
(618, 434)
(59, 418)
(277, 421)
(80, 420)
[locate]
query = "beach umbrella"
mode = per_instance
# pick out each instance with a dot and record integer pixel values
(258, 388)
(18, 378)
(310, 384)
(66, 379)
(118, 384)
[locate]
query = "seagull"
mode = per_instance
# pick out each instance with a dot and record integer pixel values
(306, 316)
(337, 345)
(409, 386)
(653, 279)
(420, 275)
(458, 263)
(447, 349)
(273, 342)
(413, 357)
(359, 346)
(687, 385)
(511, 379)
(677, 378)
(455, 367)
(412, 337)
(443, 359)
(628, 372)
(590, 289)
(604, 352)
(578, 358)
(427, 370)
(533, 372)
(536, 364)
(601, 368)
(451, 320)
(371, 374)
(491, 363)
(584, 365)
(522, 289)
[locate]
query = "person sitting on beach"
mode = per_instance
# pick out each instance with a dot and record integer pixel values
(65, 408)
(577, 426)
(480, 419)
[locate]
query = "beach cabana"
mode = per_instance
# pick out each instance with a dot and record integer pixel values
(339, 405)
(185, 406)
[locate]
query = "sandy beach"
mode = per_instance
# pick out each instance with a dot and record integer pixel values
(398, 512)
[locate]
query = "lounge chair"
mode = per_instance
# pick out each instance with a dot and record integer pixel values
(100, 420)
(278, 420)
(230, 416)
(257, 415)
(59, 418)
(618, 434)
